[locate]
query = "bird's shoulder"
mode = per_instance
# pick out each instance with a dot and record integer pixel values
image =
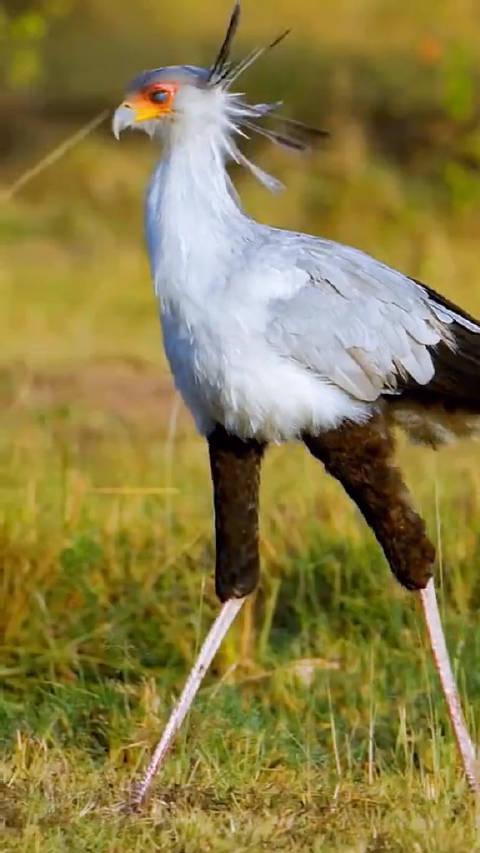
(328, 266)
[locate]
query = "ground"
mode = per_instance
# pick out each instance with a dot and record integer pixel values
(321, 726)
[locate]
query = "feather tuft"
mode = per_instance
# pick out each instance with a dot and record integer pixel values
(220, 65)
(290, 134)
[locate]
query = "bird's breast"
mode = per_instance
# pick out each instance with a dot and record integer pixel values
(227, 373)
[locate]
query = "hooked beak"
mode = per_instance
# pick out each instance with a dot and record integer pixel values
(137, 113)
(123, 118)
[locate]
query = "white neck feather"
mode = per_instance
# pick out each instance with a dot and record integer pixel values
(194, 220)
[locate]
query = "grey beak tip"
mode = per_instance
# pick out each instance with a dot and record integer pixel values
(122, 118)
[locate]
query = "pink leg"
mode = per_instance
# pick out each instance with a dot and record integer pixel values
(208, 651)
(214, 639)
(442, 663)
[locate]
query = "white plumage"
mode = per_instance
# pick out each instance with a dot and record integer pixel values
(269, 333)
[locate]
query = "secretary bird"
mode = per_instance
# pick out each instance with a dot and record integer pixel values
(275, 336)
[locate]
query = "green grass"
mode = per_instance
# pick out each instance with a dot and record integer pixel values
(320, 726)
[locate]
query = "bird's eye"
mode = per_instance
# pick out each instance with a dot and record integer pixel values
(160, 96)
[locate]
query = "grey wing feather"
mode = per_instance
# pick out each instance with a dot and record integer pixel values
(356, 322)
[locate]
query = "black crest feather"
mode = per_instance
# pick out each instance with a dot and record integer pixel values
(218, 68)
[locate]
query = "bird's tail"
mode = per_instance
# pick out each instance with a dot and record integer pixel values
(449, 406)
(456, 383)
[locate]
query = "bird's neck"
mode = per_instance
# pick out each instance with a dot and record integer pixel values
(194, 220)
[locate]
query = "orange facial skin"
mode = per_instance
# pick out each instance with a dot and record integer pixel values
(154, 102)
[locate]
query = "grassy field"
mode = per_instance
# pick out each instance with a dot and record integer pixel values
(320, 727)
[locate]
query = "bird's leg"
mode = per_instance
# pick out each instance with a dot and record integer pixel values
(360, 457)
(208, 651)
(235, 467)
(465, 744)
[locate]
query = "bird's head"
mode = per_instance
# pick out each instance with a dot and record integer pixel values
(191, 102)
(165, 99)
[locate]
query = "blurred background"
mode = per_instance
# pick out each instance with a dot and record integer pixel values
(396, 84)
(105, 514)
